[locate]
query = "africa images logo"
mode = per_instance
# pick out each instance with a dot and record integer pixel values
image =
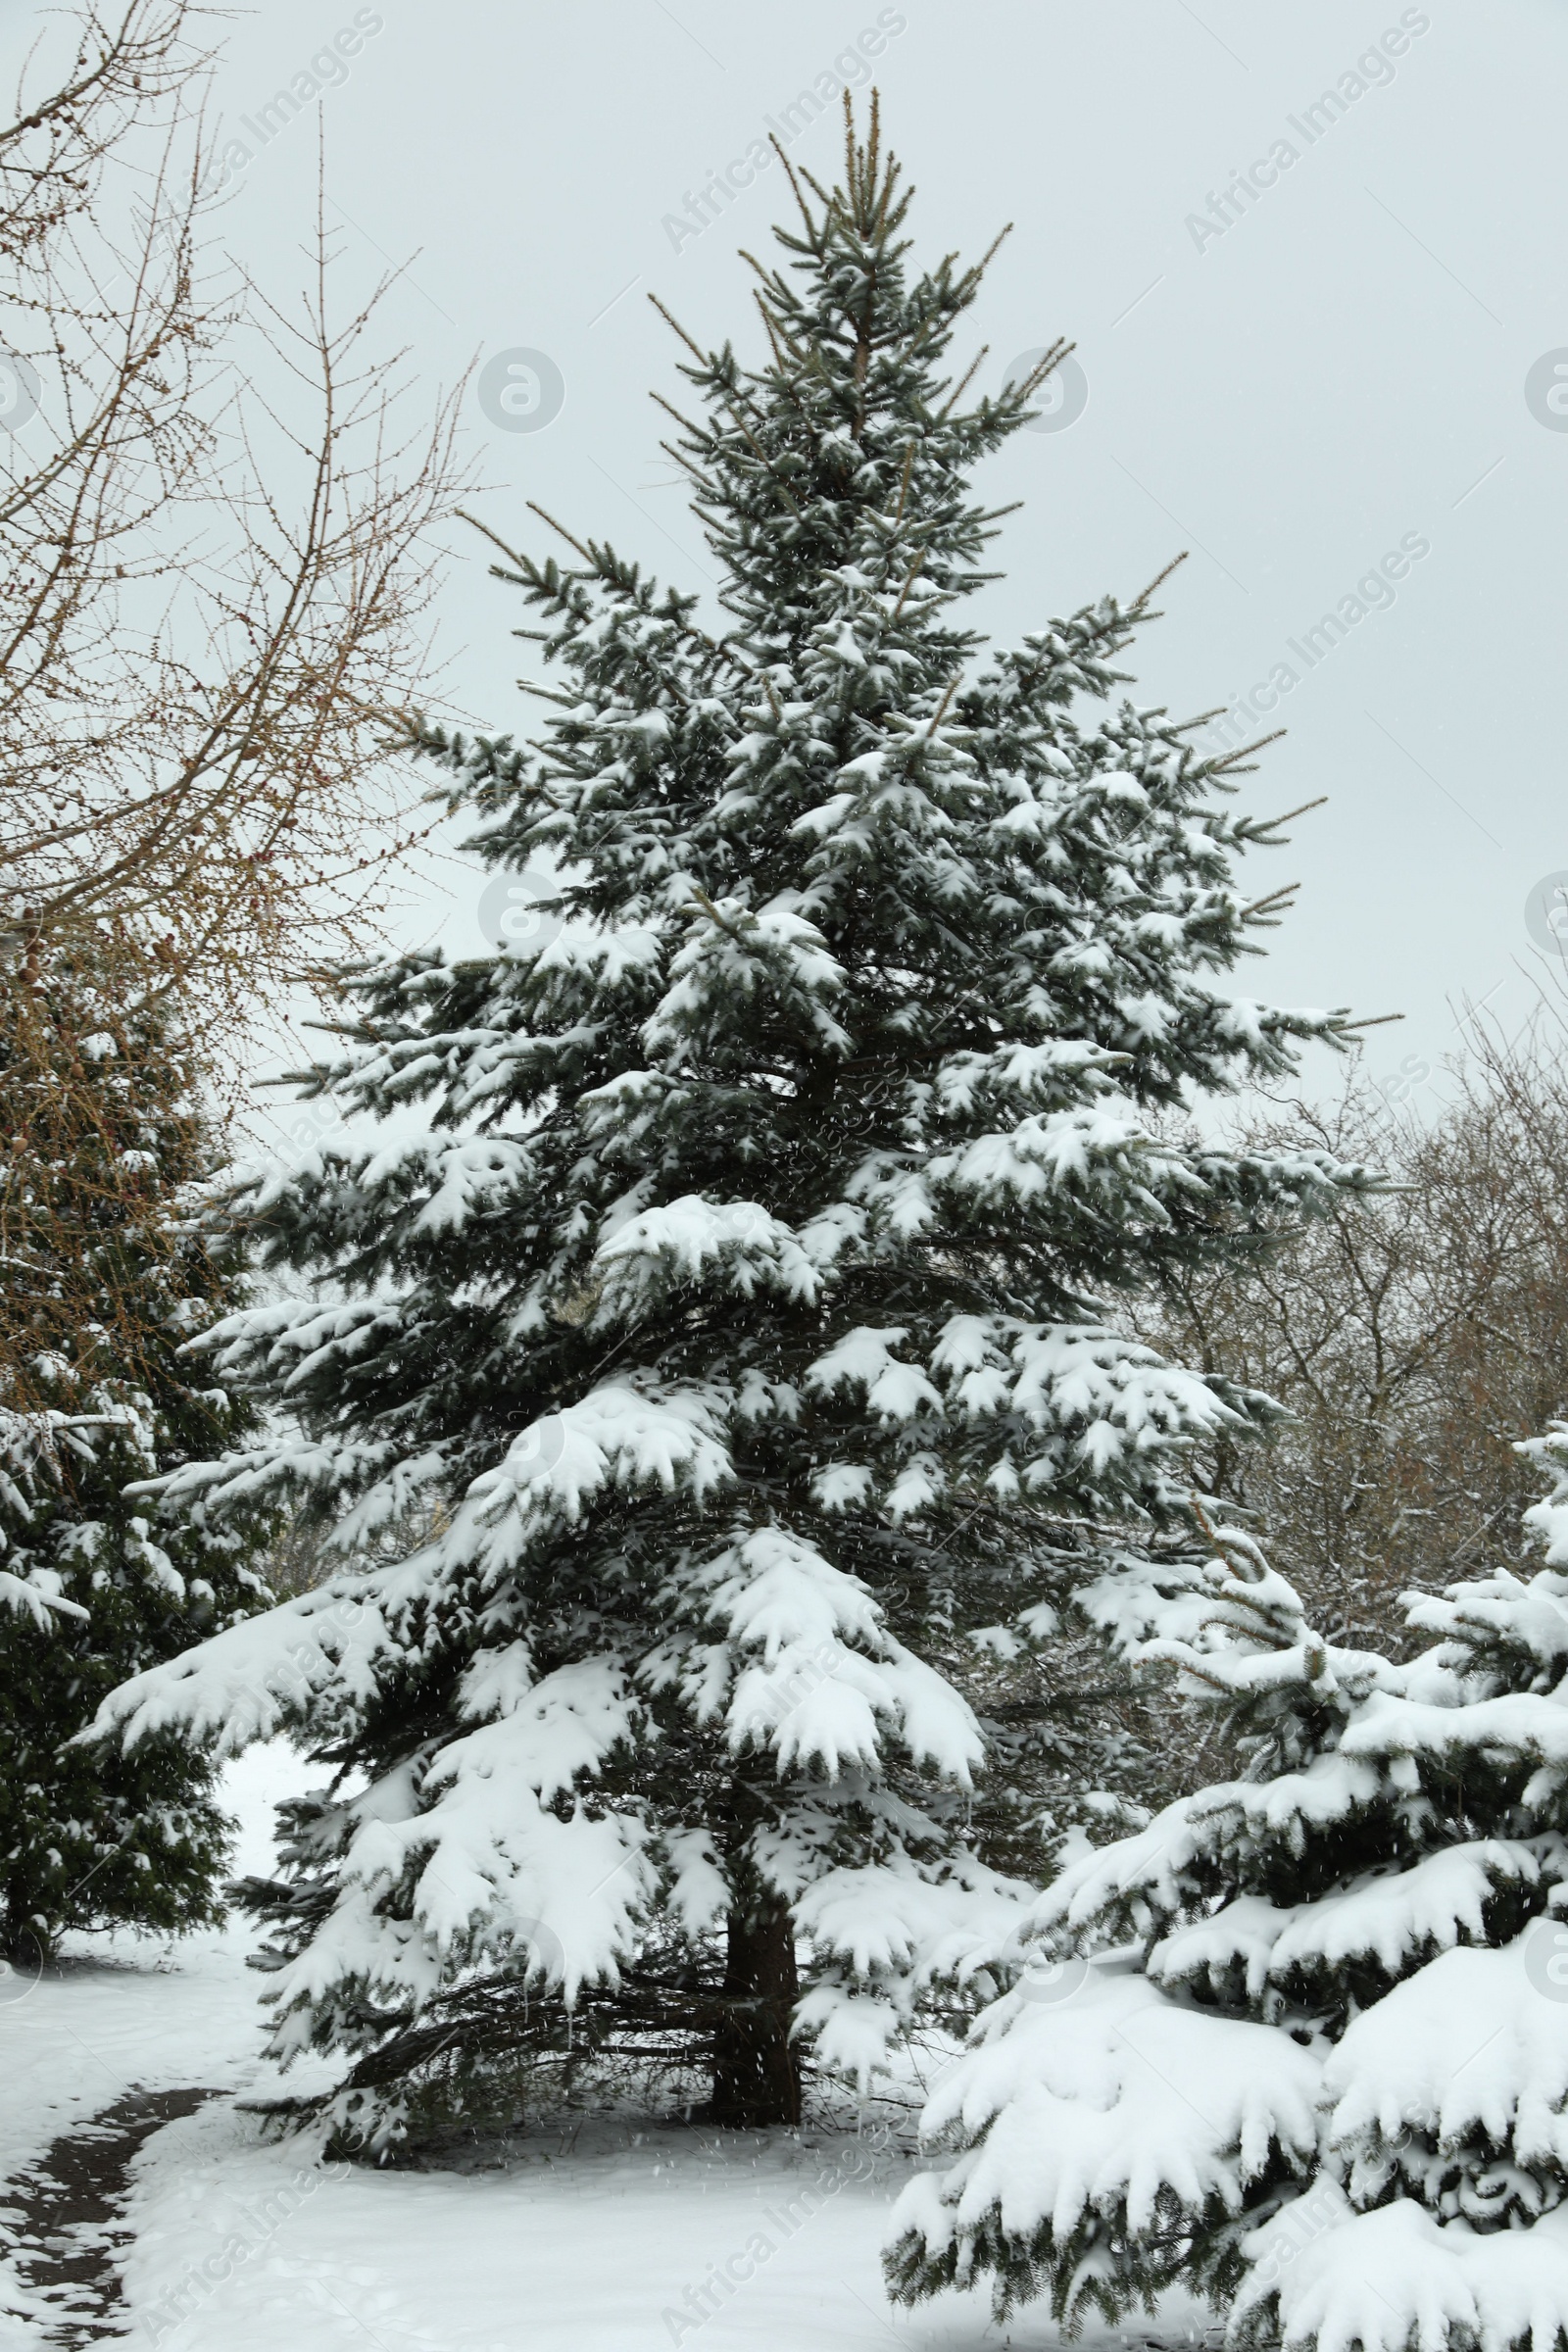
(1373, 70)
(850, 69)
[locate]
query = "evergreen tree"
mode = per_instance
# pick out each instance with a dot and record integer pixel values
(104, 1135)
(31, 1445)
(742, 1308)
(1324, 2076)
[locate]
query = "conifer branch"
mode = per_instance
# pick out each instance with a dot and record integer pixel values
(522, 563)
(1259, 905)
(1155, 584)
(704, 358)
(1248, 1576)
(705, 906)
(695, 430)
(711, 495)
(904, 486)
(763, 459)
(586, 553)
(908, 583)
(774, 343)
(789, 173)
(941, 707)
(824, 196)
(972, 276)
(1218, 767)
(1031, 383)
(1257, 831)
(963, 384)
(777, 330)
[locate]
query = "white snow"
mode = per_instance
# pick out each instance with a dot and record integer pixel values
(1466, 2045)
(599, 2246)
(739, 1238)
(1111, 2092)
(611, 2239)
(1393, 2281)
(1387, 1917)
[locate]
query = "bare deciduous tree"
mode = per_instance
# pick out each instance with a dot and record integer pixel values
(215, 565)
(1412, 1336)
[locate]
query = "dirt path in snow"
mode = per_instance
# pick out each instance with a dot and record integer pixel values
(64, 2212)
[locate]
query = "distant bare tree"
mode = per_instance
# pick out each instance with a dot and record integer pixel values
(1412, 1336)
(216, 566)
(212, 588)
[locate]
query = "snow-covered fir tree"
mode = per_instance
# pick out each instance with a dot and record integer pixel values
(1321, 2073)
(106, 1135)
(741, 1315)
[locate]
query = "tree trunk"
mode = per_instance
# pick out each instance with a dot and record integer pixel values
(757, 2073)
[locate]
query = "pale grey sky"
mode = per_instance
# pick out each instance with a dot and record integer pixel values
(1335, 372)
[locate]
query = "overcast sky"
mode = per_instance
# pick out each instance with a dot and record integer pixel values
(1348, 358)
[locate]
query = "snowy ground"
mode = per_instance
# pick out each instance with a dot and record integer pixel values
(590, 2246)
